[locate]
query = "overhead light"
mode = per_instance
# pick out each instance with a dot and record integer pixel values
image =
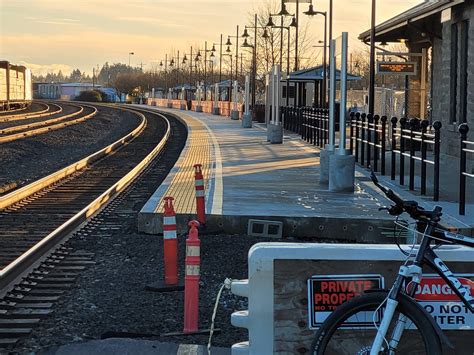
(283, 11)
(246, 44)
(199, 54)
(270, 22)
(310, 11)
(293, 22)
(245, 34)
(185, 58)
(212, 55)
(213, 48)
(403, 40)
(383, 44)
(161, 63)
(196, 59)
(265, 34)
(184, 61)
(172, 62)
(229, 43)
(228, 49)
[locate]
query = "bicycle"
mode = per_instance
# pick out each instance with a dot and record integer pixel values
(400, 324)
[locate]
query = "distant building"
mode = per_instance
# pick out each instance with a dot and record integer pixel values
(63, 91)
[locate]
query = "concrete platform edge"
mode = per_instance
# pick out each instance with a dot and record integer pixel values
(344, 229)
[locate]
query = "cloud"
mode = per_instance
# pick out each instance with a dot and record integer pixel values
(42, 69)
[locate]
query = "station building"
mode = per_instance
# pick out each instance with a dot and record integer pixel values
(441, 90)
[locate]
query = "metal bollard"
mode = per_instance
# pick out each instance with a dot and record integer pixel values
(200, 198)
(191, 286)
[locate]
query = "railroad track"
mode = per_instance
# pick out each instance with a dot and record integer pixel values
(35, 128)
(50, 109)
(32, 274)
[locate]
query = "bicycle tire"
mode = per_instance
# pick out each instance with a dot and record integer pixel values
(368, 302)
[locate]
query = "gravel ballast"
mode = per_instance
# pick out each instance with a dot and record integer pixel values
(31, 158)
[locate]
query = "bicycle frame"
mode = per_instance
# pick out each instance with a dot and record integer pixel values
(425, 255)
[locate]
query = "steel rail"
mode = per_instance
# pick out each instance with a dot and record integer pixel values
(13, 273)
(43, 123)
(37, 114)
(28, 190)
(35, 132)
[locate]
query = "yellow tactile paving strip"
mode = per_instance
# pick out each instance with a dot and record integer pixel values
(198, 151)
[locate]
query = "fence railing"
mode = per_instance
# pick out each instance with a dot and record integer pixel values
(467, 147)
(411, 140)
(311, 123)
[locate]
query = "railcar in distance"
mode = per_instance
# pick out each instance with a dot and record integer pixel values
(15, 86)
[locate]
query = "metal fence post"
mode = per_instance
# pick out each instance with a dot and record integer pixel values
(362, 138)
(383, 119)
(357, 120)
(376, 141)
(413, 124)
(403, 123)
(351, 133)
(437, 126)
(424, 126)
(463, 129)
(370, 120)
(393, 164)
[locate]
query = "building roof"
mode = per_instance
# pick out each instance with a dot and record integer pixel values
(417, 13)
(316, 74)
(79, 85)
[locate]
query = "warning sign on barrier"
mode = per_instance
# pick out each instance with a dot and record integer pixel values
(326, 293)
(435, 295)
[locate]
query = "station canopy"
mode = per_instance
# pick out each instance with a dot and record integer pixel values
(316, 74)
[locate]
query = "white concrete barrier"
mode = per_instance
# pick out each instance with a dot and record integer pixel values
(277, 288)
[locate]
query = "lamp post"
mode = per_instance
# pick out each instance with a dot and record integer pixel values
(220, 44)
(129, 54)
(254, 59)
(311, 12)
(185, 59)
(372, 62)
(292, 24)
(230, 55)
(229, 43)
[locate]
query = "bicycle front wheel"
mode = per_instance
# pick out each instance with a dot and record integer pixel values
(350, 329)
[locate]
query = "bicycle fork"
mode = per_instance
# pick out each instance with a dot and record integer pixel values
(414, 272)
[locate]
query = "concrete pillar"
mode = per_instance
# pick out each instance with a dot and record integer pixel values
(247, 116)
(234, 114)
(324, 164)
(341, 177)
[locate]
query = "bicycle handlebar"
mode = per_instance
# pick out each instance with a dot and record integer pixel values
(411, 207)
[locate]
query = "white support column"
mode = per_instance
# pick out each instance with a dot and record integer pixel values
(274, 128)
(247, 117)
(198, 96)
(234, 115)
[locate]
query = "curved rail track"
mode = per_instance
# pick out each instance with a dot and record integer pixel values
(50, 109)
(36, 267)
(8, 134)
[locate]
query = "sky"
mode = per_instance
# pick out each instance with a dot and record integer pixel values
(52, 35)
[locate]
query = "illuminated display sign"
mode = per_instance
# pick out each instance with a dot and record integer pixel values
(396, 68)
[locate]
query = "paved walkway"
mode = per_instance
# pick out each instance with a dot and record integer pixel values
(251, 178)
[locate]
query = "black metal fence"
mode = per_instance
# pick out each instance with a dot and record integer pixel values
(467, 147)
(311, 123)
(411, 140)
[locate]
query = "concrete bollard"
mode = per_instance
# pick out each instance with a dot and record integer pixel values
(191, 287)
(275, 133)
(200, 198)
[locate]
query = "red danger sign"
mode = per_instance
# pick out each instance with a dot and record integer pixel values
(436, 289)
(326, 293)
(439, 300)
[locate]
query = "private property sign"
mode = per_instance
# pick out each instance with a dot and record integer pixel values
(443, 304)
(327, 292)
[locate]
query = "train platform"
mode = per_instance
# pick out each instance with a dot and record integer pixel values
(247, 179)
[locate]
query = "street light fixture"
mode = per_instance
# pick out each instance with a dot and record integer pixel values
(283, 11)
(129, 54)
